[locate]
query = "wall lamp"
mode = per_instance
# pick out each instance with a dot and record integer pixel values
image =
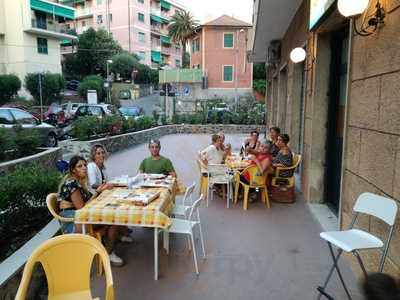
(298, 55)
(353, 8)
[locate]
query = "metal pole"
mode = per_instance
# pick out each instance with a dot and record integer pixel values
(235, 70)
(129, 25)
(108, 83)
(40, 96)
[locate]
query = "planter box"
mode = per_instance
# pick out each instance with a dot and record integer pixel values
(47, 157)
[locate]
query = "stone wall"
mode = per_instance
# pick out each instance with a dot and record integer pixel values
(48, 158)
(372, 157)
(123, 141)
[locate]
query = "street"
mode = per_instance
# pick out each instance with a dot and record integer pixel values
(147, 103)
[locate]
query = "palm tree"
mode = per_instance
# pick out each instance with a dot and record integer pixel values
(181, 26)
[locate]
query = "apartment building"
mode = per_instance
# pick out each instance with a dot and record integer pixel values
(219, 49)
(30, 35)
(139, 26)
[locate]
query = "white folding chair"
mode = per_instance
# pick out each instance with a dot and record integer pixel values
(186, 227)
(219, 174)
(181, 209)
(354, 240)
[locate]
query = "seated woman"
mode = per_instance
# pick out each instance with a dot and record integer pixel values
(274, 132)
(261, 158)
(284, 158)
(97, 176)
(74, 194)
(251, 143)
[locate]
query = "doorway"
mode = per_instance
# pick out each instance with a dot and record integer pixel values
(336, 116)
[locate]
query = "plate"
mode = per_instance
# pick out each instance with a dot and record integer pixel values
(156, 176)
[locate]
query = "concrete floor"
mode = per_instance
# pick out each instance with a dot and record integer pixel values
(256, 254)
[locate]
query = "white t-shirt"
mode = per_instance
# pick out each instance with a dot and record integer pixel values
(213, 155)
(94, 175)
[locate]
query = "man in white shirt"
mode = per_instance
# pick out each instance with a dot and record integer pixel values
(213, 154)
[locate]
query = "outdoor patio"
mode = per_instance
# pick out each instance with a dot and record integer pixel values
(256, 254)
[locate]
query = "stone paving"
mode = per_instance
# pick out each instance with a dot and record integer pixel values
(256, 254)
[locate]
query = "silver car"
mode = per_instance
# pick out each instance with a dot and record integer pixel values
(10, 117)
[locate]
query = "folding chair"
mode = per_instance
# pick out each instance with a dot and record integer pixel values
(354, 240)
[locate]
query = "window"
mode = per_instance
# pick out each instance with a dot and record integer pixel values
(5, 117)
(177, 62)
(23, 117)
(140, 1)
(177, 49)
(141, 37)
(142, 55)
(110, 17)
(228, 40)
(228, 73)
(42, 46)
(100, 19)
(83, 23)
(196, 45)
(99, 2)
(141, 17)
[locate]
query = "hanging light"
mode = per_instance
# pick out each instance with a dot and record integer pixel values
(350, 8)
(298, 55)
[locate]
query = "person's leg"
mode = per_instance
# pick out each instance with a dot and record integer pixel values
(69, 227)
(112, 234)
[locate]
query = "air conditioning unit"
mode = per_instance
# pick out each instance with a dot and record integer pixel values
(274, 53)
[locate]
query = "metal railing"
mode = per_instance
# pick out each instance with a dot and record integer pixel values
(51, 26)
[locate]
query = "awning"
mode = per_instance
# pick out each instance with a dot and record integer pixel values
(164, 20)
(156, 56)
(53, 9)
(166, 5)
(155, 18)
(165, 39)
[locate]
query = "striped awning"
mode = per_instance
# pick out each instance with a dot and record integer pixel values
(53, 9)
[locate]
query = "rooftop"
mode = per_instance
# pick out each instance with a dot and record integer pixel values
(226, 20)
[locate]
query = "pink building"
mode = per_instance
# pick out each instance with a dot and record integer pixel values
(140, 26)
(219, 48)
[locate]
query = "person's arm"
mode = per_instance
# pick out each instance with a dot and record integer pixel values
(77, 200)
(170, 168)
(203, 156)
(141, 167)
(92, 176)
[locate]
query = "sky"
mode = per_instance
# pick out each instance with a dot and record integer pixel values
(207, 10)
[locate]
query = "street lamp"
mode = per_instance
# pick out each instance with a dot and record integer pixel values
(109, 61)
(236, 69)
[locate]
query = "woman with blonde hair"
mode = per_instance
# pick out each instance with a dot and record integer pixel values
(73, 194)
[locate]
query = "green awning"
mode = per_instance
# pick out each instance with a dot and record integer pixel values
(156, 18)
(156, 56)
(165, 39)
(165, 5)
(53, 9)
(164, 20)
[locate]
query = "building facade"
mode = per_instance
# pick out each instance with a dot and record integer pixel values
(219, 49)
(30, 35)
(340, 105)
(139, 26)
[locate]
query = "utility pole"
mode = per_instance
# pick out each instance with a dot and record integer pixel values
(236, 69)
(129, 25)
(40, 96)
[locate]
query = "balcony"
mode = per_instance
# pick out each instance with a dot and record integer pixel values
(49, 28)
(166, 50)
(155, 29)
(84, 12)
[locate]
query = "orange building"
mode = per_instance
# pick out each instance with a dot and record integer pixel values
(219, 49)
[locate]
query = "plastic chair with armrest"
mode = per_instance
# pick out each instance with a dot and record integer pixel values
(67, 261)
(277, 178)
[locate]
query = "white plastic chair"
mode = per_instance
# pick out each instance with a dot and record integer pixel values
(181, 209)
(219, 174)
(186, 227)
(354, 240)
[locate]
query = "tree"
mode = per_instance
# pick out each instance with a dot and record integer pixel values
(259, 71)
(52, 85)
(9, 87)
(91, 82)
(186, 60)
(94, 48)
(182, 25)
(124, 64)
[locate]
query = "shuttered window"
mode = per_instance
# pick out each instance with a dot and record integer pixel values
(228, 40)
(228, 73)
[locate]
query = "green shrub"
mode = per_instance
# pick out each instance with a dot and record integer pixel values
(85, 127)
(145, 122)
(112, 124)
(260, 86)
(23, 204)
(26, 141)
(9, 87)
(52, 85)
(91, 82)
(128, 124)
(6, 143)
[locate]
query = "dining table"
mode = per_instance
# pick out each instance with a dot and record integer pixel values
(115, 207)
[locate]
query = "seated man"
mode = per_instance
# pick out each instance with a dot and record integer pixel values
(213, 154)
(156, 164)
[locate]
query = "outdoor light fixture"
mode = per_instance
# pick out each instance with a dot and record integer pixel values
(298, 55)
(351, 9)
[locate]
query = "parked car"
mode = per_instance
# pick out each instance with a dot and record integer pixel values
(10, 117)
(131, 112)
(221, 107)
(218, 115)
(70, 109)
(99, 110)
(73, 85)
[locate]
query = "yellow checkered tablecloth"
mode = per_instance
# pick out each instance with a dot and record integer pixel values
(108, 209)
(237, 163)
